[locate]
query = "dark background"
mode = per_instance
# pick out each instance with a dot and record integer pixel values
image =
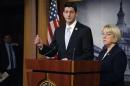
(12, 22)
(11, 17)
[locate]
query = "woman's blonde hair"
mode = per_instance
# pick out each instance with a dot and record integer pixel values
(114, 30)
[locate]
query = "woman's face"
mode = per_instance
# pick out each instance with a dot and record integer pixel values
(108, 38)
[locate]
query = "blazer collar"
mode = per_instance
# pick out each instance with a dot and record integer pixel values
(114, 50)
(72, 25)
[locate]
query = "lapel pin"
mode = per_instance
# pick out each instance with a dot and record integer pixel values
(76, 28)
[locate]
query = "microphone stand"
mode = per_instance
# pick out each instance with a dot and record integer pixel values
(73, 55)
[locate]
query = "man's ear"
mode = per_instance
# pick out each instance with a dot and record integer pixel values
(76, 14)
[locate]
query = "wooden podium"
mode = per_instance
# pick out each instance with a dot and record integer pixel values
(44, 72)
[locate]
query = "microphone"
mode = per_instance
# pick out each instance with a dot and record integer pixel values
(46, 54)
(73, 54)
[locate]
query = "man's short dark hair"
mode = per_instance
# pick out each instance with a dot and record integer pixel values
(71, 4)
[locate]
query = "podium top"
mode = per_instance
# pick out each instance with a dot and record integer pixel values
(69, 66)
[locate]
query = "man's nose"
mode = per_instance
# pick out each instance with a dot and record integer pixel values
(68, 14)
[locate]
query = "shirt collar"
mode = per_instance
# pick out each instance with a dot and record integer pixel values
(72, 26)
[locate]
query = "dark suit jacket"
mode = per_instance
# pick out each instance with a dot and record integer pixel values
(80, 46)
(113, 67)
(4, 61)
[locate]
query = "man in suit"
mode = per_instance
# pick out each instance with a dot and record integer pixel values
(72, 41)
(8, 63)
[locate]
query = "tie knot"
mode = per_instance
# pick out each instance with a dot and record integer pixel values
(68, 29)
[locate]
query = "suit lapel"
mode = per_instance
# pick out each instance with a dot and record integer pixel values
(111, 52)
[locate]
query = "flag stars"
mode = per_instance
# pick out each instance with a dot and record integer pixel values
(50, 17)
(53, 10)
(54, 5)
(53, 19)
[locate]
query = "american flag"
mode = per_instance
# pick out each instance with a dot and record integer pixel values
(53, 20)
